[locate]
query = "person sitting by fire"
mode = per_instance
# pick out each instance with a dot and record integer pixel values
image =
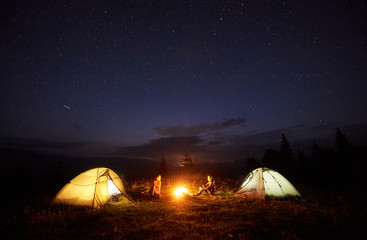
(209, 187)
(156, 192)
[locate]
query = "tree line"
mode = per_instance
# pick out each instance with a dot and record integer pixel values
(337, 167)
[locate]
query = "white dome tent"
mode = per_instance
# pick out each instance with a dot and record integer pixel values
(264, 183)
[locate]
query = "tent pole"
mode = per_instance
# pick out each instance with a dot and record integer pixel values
(95, 187)
(280, 186)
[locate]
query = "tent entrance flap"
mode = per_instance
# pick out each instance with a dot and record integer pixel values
(112, 189)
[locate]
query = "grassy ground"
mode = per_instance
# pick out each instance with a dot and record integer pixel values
(203, 217)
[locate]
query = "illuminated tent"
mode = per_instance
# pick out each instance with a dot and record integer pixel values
(264, 183)
(92, 188)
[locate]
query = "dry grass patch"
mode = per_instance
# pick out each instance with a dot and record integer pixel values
(203, 217)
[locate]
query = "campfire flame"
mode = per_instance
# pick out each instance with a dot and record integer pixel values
(180, 192)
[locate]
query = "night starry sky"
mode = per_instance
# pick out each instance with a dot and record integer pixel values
(218, 79)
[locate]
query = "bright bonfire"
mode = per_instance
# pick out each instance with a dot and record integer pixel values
(180, 192)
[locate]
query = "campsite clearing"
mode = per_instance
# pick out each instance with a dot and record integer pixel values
(218, 217)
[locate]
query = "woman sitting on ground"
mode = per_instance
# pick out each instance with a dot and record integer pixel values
(157, 187)
(209, 187)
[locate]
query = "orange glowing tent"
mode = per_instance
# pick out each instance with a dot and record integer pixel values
(92, 188)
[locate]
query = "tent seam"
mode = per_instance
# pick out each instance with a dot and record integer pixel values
(280, 186)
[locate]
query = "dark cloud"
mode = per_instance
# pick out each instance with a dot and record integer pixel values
(260, 138)
(194, 130)
(211, 147)
(219, 147)
(78, 127)
(37, 143)
(201, 150)
(157, 147)
(67, 148)
(293, 133)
